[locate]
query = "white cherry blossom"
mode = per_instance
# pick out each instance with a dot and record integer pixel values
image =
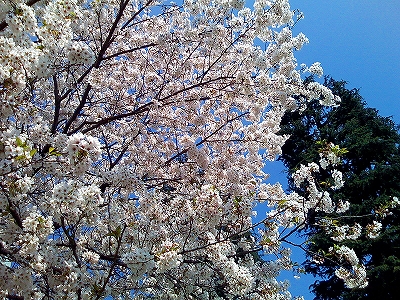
(133, 142)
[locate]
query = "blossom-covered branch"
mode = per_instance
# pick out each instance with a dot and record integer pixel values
(133, 140)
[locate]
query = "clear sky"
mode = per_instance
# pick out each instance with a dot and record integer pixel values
(357, 41)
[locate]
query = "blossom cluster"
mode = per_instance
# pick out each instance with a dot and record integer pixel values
(346, 232)
(374, 229)
(356, 277)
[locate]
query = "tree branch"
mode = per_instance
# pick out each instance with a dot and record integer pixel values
(97, 124)
(57, 105)
(205, 139)
(77, 110)
(129, 51)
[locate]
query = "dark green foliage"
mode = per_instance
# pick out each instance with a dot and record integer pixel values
(371, 169)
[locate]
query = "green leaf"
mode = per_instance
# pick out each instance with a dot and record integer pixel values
(32, 152)
(53, 151)
(237, 200)
(281, 203)
(266, 241)
(19, 142)
(116, 233)
(19, 12)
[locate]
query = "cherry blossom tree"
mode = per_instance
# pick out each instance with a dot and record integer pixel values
(133, 139)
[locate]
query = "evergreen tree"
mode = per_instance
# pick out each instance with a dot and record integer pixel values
(371, 169)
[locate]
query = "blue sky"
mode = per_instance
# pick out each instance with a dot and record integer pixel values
(357, 41)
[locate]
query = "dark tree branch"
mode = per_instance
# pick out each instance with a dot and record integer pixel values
(4, 251)
(136, 14)
(129, 51)
(77, 110)
(116, 161)
(14, 297)
(110, 38)
(115, 262)
(57, 105)
(104, 121)
(205, 139)
(11, 208)
(72, 242)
